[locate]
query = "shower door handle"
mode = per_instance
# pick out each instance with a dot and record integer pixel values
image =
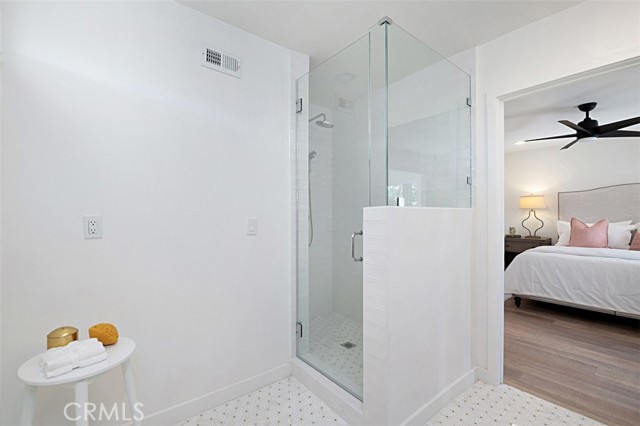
(353, 247)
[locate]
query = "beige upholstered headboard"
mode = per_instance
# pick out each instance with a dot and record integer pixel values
(616, 203)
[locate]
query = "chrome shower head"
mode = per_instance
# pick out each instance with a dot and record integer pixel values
(324, 123)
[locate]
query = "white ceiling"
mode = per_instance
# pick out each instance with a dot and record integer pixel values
(536, 115)
(322, 28)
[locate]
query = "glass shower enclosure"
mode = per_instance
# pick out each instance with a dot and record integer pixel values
(386, 121)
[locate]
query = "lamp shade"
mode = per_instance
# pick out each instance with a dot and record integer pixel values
(532, 202)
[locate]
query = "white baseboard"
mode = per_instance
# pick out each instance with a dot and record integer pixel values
(345, 405)
(438, 402)
(187, 409)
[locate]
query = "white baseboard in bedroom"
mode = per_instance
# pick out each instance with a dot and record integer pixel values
(438, 402)
(180, 412)
(507, 296)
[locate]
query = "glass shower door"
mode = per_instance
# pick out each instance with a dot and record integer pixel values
(333, 188)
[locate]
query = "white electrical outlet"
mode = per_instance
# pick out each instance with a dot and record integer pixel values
(92, 227)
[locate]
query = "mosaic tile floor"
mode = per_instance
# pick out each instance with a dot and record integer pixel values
(288, 402)
(483, 404)
(327, 335)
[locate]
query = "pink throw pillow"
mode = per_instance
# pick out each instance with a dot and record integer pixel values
(635, 243)
(584, 236)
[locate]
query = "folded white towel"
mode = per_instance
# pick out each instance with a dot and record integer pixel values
(54, 353)
(93, 360)
(59, 371)
(57, 361)
(74, 356)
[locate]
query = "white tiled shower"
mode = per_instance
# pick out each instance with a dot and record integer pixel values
(403, 125)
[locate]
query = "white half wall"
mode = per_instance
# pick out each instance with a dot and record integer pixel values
(549, 171)
(107, 111)
(417, 312)
(547, 50)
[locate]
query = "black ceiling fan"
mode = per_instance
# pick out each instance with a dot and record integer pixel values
(589, 128)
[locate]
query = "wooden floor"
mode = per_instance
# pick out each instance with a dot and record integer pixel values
(584, 361)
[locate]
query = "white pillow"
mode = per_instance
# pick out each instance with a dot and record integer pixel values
(618, 231)
(620, 236)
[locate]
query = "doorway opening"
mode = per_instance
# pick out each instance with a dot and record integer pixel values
(574, 347)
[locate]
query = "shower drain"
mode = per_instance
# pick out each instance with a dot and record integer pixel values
(348, 345)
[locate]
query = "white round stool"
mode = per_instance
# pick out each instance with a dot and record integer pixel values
(32, 375)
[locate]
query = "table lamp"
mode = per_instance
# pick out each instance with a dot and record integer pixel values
(532, 202)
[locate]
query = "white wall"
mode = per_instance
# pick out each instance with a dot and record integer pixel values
(552, 48)
(548, 171)
(106, 110)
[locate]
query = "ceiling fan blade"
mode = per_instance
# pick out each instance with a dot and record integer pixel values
(575, 126)
(607, 128)
(621, 134)
(572, 135)
(569, 145)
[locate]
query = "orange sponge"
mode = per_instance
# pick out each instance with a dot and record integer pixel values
(105, 333)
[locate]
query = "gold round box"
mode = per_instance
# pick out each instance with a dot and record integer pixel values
(61, 336)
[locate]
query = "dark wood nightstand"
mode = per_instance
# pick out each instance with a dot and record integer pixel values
(515, 246)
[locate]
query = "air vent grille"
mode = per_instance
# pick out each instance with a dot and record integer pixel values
(214, 57)
(219, 60)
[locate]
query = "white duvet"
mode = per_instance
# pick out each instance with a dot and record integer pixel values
(599, 278)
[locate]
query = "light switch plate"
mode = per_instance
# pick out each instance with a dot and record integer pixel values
(252, 226)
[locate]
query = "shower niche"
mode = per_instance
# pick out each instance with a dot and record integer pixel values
(384, 122)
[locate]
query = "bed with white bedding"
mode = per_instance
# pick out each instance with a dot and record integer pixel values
(605, 280)
(600, 279)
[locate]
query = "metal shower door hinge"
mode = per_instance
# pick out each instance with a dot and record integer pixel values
(298, 105)
(468, 180)
(468, 102)
(299, 327)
